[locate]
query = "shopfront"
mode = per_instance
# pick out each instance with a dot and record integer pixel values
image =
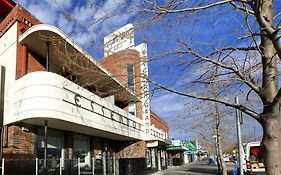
(156, 156)
(72, 150)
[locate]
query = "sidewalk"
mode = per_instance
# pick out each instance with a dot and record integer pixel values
(193, 168)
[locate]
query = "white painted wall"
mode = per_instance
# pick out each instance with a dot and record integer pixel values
(8, 46)
(40, 95)
(120, 39)
(157, 134)
(145, 99)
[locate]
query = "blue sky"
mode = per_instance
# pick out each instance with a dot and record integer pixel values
(80, 20)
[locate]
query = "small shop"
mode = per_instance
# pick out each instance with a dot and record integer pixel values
(156, 156)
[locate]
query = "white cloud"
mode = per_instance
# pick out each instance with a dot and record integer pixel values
(168, 105)
(66, 25)
(46, 15)
(75, 17)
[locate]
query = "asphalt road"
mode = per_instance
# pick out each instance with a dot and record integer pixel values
(197, 168)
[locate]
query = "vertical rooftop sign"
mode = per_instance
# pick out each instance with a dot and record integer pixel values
(145, 100)
(121, 39)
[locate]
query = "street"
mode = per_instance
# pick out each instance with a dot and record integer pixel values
(196, 168)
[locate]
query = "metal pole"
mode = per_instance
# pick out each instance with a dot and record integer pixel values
(78, 165)
(240, 159)
(104, 163)
(1, 140)
(93, 160)
(2, 96)
(114, 164)
(36, 166)
(3, 166)
(60, 166)
(45, 143)
(255, 133)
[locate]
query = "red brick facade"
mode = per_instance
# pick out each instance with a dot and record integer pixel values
(158, 122)
(117, 64)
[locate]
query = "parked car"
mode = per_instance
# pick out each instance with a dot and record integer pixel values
(253, 162)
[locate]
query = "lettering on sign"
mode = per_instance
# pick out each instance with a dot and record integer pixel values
(142, 49)
(89, 105)
(77, 98)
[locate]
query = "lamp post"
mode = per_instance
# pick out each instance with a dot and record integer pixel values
(239, 121)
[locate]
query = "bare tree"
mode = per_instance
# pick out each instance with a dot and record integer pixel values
(249, 69)
(246, 66)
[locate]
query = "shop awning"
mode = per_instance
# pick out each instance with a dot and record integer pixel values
(177, 148)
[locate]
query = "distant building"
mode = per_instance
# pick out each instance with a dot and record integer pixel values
(182, 152)
(65, 112)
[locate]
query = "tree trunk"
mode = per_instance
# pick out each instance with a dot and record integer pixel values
(270, 118)
(271, 144)
(221, 159)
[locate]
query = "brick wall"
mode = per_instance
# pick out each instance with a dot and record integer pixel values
(21, 142)
(132, 149)
(158, 122)
(24, 20)
(117, 63)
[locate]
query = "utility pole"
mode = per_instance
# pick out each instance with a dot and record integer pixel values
(240, 147)
(255, 133)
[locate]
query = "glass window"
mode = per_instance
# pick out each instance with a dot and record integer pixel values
(132, 108)
(55, 144)
(131, 77)
(55, 149)
(148, 158)
(153, 158)
(81, 149)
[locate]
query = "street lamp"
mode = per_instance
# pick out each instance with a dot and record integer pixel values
(239, 121)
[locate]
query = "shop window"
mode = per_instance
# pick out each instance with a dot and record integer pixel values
(55, 150)
(153, 158)
(148, 158)
(55, 144)
(81, 149)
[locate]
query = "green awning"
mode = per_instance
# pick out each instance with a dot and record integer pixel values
(191, 146)
(176, 148)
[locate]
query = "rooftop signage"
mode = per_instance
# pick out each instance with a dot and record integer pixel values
(121, 39)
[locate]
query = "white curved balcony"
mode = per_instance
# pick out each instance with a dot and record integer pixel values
(46, 96)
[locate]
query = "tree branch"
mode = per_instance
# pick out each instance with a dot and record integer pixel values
(253, 86)
(222, 101)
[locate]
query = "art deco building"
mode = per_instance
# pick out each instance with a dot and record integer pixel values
(63, 112)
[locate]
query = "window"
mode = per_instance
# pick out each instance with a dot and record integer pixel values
(131, 77)
(132, 108)
(148, 158)
(55, 149)
(81, 149)
(55, 144)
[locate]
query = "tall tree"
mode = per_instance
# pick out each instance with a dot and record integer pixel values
(247, 64)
